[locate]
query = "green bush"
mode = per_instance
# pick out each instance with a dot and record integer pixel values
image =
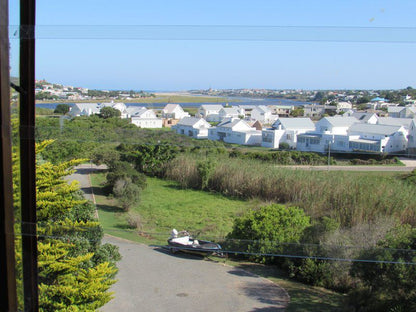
(267, 230)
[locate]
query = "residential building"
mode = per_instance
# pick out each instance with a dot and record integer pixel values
(230, 112)
(402, 111)
(263, 114)
(315, 110)
(364, 117)
(174, 111)
(377, 138)
(283, 110)
(286, 130)
(146, 119)
(236, 131)
(209, 112)
(411, 147)
(193, 127)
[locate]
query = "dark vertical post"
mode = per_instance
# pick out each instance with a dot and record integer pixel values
(8, 301)
(27, 154)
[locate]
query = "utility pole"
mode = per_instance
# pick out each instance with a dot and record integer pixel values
(329, 154)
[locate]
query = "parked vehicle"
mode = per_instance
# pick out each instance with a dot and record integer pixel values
(182, 241)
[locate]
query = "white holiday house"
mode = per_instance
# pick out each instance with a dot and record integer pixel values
(235, 131)
(322, 138)
(412, 138)
(263, 114)
(229, 112)
(286, 130)
(193, 127)
(146, 118)
(209, 112)
(377, 138)
(174, 111)
(85, 109)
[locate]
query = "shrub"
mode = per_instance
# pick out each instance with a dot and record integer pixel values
(265, 229)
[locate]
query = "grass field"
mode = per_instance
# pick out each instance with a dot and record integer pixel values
(164, 206)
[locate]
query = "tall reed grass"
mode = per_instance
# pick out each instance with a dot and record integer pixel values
(347, 197)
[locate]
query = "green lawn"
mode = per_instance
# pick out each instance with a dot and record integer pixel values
(164, 206)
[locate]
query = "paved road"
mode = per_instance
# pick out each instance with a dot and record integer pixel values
(151, 279)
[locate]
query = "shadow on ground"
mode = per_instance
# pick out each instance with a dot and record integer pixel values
(178, 254)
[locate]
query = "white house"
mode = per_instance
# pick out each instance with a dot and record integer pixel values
(229, 112)
(174, 111)
(146, 119)
(411, 143)
(315, 110)
(283, 110)
(193, 127)
(285, 130)
(322, 138)
(85, 109)
(402, 111)
(209, 112)
(134, 111)
(88, 109)
(334, 125)
(369, 118)
(263, 114)
(377, 138)
(343, 106)
(235, 131)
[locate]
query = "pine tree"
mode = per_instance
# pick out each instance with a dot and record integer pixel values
(75, 270)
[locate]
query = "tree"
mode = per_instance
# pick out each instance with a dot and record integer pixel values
(263, 230)
(62, 109)
(75, 270)
(297, 112)
(127, 193)
(147, 158)
(109, 112)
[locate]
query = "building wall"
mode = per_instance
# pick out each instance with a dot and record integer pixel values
(147, 122)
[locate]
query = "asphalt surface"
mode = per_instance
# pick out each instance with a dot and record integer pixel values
(152, 279)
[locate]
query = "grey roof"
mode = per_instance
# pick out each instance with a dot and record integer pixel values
(212, 107)
(229, 122)
(135, 110)
(373, 129)
(169, 108)
(341, 121)
(394, 109)
(230, 110)
(189, 121)
(294, 123)
(363, 116)
(405, 122)
(263, 108)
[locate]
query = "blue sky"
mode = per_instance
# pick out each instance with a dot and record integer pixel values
(129, 62)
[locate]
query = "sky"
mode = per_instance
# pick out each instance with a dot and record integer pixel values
(183, 44)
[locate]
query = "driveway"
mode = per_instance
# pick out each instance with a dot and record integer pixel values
(151, 279)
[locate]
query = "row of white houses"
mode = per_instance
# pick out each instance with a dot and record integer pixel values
(139, 116)
(360, 133)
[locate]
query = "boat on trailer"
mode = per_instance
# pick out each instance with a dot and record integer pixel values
(182, 241)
